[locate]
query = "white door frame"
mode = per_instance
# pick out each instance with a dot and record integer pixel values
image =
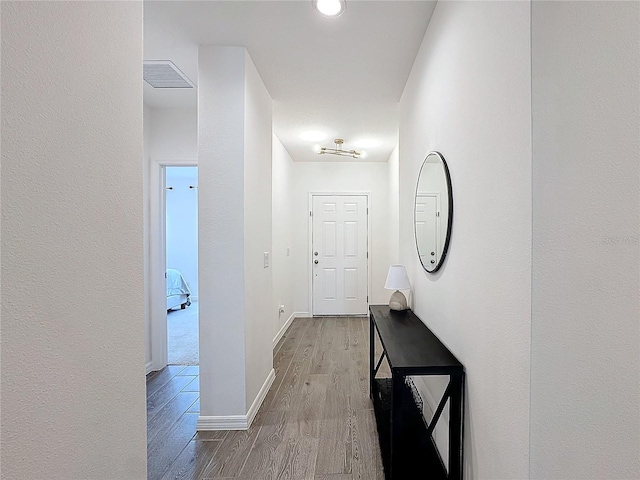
(310, 244)
(158, 258)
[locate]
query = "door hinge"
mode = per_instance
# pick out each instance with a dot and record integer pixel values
(310, 214)
(367, 254)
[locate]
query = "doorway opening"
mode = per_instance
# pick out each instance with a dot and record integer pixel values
(181, 264)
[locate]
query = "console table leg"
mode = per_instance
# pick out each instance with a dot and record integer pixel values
(395, 453)
(456, 416)
(372, 348)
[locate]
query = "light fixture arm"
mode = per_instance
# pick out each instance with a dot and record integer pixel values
(338, 150)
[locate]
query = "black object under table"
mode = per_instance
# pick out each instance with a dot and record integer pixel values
(406, 439)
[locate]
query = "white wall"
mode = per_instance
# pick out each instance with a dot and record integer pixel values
(146, 202)
(259, 317)
(282, 236)
(221, 230)
(394, 206)
(468, 96)
(174, 133)
(585, 352)
(234, 203)
(73, 384)
(182, 224)
(340, 177)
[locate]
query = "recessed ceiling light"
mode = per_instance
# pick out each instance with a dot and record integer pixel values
(329, 8)
(313, 136)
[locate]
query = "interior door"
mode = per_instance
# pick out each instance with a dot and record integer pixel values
(427, 228)
(339, 254)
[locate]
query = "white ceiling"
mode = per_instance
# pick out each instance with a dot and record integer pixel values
(343, 76)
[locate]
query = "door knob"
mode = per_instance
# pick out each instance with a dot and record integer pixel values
(315, 261)
(315, 253)
(433, 261)
(433, 253)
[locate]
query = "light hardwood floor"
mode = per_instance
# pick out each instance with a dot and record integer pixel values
(316, 423)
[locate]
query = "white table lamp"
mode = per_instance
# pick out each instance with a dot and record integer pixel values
(397, 280)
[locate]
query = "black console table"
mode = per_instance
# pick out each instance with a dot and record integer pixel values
(405, 437)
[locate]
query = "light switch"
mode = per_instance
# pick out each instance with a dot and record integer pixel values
(266, 259)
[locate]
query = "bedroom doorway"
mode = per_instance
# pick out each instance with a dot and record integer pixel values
(181, 263)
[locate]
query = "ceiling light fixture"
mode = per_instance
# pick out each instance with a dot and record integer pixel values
(330, 8)
(338, 150)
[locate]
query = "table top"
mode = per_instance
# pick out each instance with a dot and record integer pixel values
(410, 345)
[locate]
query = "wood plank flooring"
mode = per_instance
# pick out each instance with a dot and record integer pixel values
(316, 422)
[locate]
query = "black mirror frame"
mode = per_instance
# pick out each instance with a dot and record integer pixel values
(445, 249)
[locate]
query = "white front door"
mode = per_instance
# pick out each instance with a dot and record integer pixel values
(339, 254)
(427, 228)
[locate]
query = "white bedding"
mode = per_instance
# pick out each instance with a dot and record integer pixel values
(176, 285)
(174, 301)
(177, 289)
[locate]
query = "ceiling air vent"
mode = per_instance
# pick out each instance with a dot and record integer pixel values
(164, 74)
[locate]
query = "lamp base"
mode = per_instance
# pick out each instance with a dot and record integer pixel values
(398, 301)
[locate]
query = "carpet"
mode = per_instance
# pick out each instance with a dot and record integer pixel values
(182, 335)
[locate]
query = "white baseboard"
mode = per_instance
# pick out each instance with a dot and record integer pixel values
(148, 368)
(255, 406)
(283, 330)
(287, 324)
(222, 422)
(237, 422)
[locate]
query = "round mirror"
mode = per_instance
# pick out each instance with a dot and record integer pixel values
(433, 212)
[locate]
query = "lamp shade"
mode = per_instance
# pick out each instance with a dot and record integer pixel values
(397, 278)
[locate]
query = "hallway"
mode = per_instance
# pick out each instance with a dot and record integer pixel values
(316, 422)
(182, 335)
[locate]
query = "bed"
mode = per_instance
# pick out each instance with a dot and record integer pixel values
(178, 292)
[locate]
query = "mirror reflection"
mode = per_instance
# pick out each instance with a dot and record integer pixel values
(433, 211)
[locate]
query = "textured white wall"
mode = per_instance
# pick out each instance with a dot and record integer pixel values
(221, 95)
(341, 177)
(234, 161)
(282, 204)
(394, 206)
(73, 385)
(468, 96)
(174, 133)
(259, 317)
(585, 352)
(146, 146)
